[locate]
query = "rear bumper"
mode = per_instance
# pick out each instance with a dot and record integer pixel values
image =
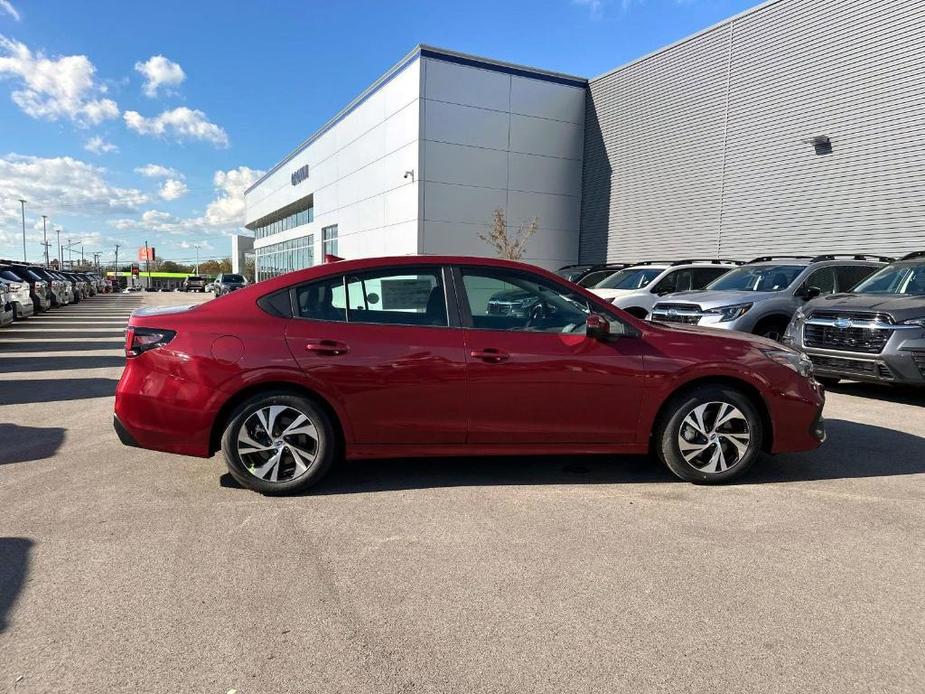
(124, 436)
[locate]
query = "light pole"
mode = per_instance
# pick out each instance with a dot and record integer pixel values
(45, 238)
(23, 205)
(197, 258)
(60, 252)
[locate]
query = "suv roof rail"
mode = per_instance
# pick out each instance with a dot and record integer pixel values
(913, 255)
(853, 256)
(765, 258)
(713, 261)
(652, 262)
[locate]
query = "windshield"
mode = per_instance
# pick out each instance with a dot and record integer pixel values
(232, 278)
(194, 278)
(7, 275)
(630, 278)
(758, 278)
(895, 279)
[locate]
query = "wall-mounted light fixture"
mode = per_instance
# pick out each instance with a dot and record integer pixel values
(409, 174)
(821, 144)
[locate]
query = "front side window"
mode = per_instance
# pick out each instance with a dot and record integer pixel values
(631, 278)
(758, 278)
(901, 278)
(504, 300)
(822, 279)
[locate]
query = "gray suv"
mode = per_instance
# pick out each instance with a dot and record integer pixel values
(761, 296)
(874, 333)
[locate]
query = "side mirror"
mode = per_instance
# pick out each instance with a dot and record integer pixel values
(809, 293)
(597, 327)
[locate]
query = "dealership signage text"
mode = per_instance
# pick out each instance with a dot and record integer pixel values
(299, 175)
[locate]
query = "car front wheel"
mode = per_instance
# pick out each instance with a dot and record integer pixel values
(278, 443)
(710, 435)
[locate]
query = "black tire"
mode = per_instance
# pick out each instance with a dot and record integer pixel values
(669, 434)
(828, 381)
(325, 444)
(772, 328)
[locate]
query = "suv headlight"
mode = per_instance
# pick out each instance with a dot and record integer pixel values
(794, 327)
(794, 360)
(915, 321)
(728, 313)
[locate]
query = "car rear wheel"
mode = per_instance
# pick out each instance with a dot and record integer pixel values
(278, 443)
(710, 435)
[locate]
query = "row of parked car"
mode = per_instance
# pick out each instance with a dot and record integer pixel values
(858, 317)
(26, 290)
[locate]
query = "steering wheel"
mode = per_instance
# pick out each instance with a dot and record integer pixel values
(537, 313)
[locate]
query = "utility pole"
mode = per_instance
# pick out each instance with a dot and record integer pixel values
(60, 252)
(81, 255)
(45, 238)
(116, 276)
(197, 247)
(23, 205)
(148, 265)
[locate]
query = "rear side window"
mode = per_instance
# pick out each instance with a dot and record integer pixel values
(323, 300)
(397, 296)
(676, 281)
(850, 275)
(823, 279)
(704, 275)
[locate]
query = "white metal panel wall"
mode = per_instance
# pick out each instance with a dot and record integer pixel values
(356, 174)
(701, 148)
(494, 140)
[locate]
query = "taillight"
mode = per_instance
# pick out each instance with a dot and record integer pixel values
(138, 340)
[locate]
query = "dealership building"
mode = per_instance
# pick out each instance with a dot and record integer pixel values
(794, 127)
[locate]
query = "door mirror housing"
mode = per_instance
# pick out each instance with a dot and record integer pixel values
(810, 292)
(597, 327)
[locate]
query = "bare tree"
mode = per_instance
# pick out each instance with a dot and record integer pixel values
(513, 245)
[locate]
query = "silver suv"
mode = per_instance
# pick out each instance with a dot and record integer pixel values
(874, 333)
(762, 296)
(638, 287)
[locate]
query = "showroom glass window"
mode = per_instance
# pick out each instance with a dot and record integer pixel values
(329, 240)
(510, 300)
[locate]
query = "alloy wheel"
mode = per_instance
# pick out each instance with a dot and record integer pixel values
(277, 443)
(714, 437)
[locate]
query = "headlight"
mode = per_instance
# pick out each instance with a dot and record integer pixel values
(793, 360)
(728, 313)
(915, 321)
(794, 327)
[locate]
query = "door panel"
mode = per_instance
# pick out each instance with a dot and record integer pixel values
(399, 384)
(539, 378)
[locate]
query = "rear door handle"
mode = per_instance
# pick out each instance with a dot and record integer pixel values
(490, 354)
(331, 348)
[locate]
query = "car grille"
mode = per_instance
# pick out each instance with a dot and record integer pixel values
(852, 367)
(677, 313)
(869, 338)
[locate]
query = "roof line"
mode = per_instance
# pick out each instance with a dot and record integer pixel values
(422, 50)
(729, 20)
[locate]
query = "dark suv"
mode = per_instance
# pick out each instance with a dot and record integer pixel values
(228, 282)
(194, 283)
(875, 332)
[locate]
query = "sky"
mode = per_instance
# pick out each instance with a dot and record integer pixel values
(125, 122)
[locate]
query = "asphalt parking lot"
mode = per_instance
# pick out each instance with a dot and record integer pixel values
(129, 570)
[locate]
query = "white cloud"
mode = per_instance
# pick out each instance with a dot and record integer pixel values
(180, 124)
(227, 210)
(7, 7)
(189, 245)
(55, 88)
(98, 145)
(595, 7)
(173, 188)
(160, 72)
(61, 185)
(158, 171)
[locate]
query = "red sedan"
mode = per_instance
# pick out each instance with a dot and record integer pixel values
(433, 356)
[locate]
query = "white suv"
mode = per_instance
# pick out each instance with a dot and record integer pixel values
(637, 288)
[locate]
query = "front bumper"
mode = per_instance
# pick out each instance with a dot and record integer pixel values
(7, 316)
(23, 310)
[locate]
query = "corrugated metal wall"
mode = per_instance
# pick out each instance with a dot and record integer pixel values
(702, 148)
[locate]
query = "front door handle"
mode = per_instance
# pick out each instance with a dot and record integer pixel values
(331, 348)
(490, 354)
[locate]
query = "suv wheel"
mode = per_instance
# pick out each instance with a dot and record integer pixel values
(710, 435)
(772, 329)
(277, 443)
